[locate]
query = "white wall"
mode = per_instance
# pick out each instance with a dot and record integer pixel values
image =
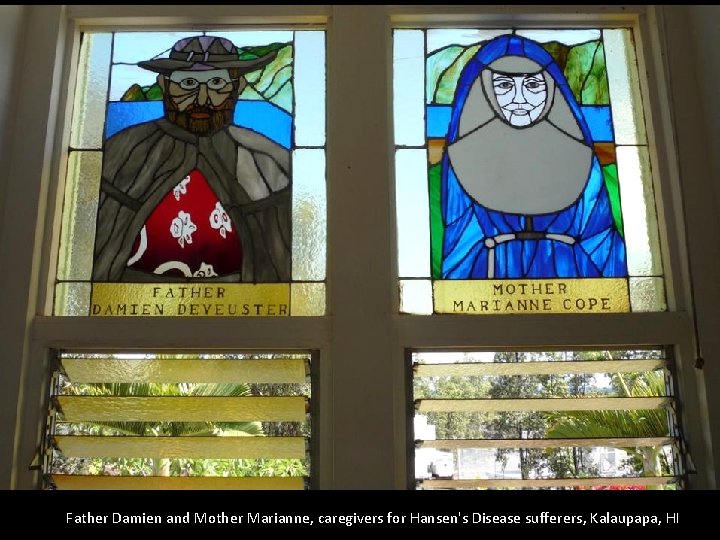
(692, 59)
(705, 22)
(10, 25)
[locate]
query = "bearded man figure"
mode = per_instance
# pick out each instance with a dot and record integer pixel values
(191, 196)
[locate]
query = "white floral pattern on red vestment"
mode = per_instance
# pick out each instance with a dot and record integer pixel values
(188, 234)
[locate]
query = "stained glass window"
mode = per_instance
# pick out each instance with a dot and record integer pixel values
(523, 173)
(196, 176)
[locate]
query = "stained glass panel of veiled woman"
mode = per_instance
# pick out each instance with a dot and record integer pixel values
(196, 176)
(522, 170)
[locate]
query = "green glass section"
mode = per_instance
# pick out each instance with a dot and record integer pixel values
(436, 224)
(250, 93)
(586, 74)
(250, 53)
(595, 90)
(134, 93)
(284, 96)
(280, 82)
(447, 80)
(143, 93)
(613, 186)
(559, 52)
(154, 92)
(274, 74)
(436, 65)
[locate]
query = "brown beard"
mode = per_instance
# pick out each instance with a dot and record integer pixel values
(216, 119)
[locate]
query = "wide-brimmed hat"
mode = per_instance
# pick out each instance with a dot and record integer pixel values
(201, 53)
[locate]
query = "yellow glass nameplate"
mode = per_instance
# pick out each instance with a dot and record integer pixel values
(529, 296)
(190, 300)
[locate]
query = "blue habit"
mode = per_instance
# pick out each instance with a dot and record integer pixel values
(580, 240)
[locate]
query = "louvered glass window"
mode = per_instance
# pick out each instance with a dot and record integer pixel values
(538, 419)
(179, 421)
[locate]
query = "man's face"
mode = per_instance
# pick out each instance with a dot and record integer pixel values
(201, 101)
(520, 97)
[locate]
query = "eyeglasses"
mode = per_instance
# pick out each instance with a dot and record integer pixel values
(191, 84)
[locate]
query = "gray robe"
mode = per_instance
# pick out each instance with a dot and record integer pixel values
(248, 172)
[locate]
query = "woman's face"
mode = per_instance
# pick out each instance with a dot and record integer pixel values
(521, 97)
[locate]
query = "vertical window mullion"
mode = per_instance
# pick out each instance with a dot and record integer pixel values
(366, 373)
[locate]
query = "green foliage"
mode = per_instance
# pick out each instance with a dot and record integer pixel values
(635, 423)
(647, 461)
(527, 425)
(454, 425)
(175, 429)
(181, 467)
(287, 429)
(238, 467)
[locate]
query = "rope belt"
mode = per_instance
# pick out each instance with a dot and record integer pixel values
(492, 241)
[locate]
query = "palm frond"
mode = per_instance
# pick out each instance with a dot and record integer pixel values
(602, 423)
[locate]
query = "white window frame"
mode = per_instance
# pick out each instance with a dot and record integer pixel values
(362, 341)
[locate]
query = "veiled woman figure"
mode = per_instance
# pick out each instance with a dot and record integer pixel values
(523, 194)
